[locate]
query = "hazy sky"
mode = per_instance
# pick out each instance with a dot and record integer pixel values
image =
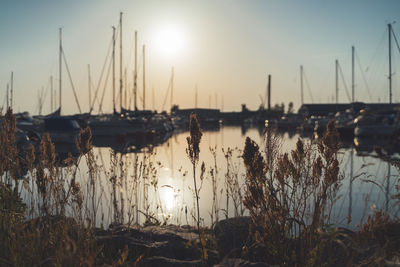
(227, 48)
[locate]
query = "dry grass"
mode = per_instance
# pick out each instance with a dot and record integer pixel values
(289, 196)
(48, 214)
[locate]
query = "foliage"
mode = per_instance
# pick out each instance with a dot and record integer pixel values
(37, 230)
(193, 152)
(289, 196)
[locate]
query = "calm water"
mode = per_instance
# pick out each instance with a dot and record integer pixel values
(167, 192)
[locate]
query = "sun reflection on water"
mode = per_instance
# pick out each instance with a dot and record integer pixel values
(169, 192)
(167, 197)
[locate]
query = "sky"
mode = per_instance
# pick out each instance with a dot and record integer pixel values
(224, 48)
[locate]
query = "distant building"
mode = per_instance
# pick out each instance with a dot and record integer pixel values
(202, 113)
(309, 110)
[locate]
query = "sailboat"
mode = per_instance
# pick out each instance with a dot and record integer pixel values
(128, 127)
(380, 125)
(63, 130)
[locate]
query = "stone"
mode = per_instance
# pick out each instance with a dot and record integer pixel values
(237, 262)
(232, 234)
(154, 243)
(166, 262)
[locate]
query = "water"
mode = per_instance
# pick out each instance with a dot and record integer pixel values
(168, 191)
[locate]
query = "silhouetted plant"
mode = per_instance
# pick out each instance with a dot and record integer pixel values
(233, 186)
(193, 152)
(287, 196)
(41, 233)
(214, 213)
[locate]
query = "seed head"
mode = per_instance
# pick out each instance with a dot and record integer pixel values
(193, 140)
(84, 142)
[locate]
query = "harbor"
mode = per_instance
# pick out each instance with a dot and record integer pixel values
(193, 134)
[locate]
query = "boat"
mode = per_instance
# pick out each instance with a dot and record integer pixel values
(62, 129)
(288, 123)
(374, 126)
(345, 125)
(320, 126)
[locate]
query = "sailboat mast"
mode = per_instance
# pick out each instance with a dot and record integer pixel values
(41, 100)
(301, 85)
(269, 92)
(152, 96)
(113, 68)
(172, 85)
(144, 77)
(7, 103)
(60, 70)
(125, 91)
(390, 62)
(135, 75)
(352, 74)
(12, 89)
(337, 80)
(51, 94)
(195, 97)
(120, 60)
(90, 91)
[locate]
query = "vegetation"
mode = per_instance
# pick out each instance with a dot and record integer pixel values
(288, 195)
(48, 214)
(193, 152)
(38, 231)
(290, 198)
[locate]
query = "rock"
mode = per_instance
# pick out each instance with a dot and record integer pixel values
(337, 246)
(153, 243)
(166, 262)
(237, 262)
(232, 234)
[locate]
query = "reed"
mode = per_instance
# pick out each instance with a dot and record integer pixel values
(49, 209)
(287, 196)
(213, 174)
(193, 152)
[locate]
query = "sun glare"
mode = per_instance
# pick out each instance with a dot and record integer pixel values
(167, 196)
(171, 41)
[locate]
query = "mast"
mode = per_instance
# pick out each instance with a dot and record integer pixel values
(172, 85)
(12, 89)
(125, 91)
(113, 68)
(89, 82)
(352, 74)
(390, 62)
(41, 100)
(301, 84)
(337, 80)
(60, 70)
(120, 60)
(51, 94)
(195, 97)
(144, 78)
(7, 103)
(135, 75)
(55, 99)
(269, 92)
(152, 96)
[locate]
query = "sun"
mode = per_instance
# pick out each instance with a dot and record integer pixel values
(171, 41)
